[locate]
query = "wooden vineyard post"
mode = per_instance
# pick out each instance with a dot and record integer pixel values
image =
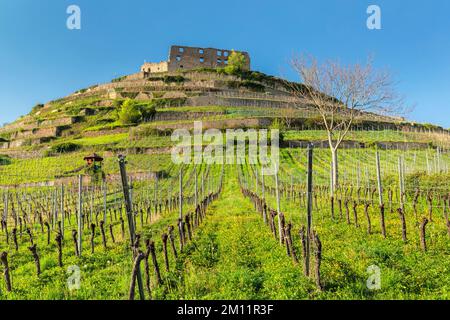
(331, 181)
(104, 187)
(292, 186)
(155, 196)
(400, 178)
(129, 210)
(222, 176)
(62, 211)
(309, 207)
(55, 203)
(263, 195)
(380, 186)
(180, 195)
(4, 261)
(80, 213)
(196, 186)
(5, 209)
(91, 188)
(280, 230)
(422, 231)
(256, 180)
(203, 185)
(180, 218)
(358, 177)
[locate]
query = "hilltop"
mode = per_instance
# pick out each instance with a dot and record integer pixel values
(252, 99)
(57, 134)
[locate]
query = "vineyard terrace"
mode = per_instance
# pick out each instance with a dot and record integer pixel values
(190, 148)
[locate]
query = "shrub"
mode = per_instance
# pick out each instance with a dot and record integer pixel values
(129, 112)
(3, 139)
(168, 102)
(236, 63)
(119, 79)
(278, 124)
(250, 85)
(145, 131)
(82, 90)
(4, 160)
(36, 108)
(173, 79)
(130, 95)
(64, 147)
(148, 112)
(314, 123)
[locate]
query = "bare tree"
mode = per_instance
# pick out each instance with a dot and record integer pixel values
(342, 94)
(288, 115)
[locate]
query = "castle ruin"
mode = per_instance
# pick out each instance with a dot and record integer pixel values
(186, 58)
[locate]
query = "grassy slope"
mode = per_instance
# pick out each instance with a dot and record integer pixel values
(235, 257)
(105, 274)
(406, 272)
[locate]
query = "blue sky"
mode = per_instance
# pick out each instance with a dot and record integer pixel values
(40, 59)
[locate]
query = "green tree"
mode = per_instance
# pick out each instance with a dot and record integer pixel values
(130, 112)
(236, 63)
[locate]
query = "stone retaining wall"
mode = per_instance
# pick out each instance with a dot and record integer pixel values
(173, 115)
(37, 133)
(357, 144)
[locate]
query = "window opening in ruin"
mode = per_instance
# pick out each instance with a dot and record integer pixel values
(225, 53)
(219, 53)
(180, 49)
(200, 51)
(178, 58)
(202, 59)
(219, 60)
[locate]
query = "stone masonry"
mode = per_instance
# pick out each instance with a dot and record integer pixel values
(186, 58)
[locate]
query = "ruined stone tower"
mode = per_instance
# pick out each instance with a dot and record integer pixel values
(185, 58)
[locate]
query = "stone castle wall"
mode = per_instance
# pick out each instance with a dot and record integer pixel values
(194, 57)
(155, 67)
(185, 58)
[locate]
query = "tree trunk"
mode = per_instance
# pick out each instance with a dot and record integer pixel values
(335, 170)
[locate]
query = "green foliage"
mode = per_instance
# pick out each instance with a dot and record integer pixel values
(82, 90)
(438, 181)
(102, 140)
(146, 131)
(74, 107)
(278, 124)
(314, 122)
(129, 112)
(148, 111)
(236, 63)
(430, 126)
(106, 126)
(117, 103)
(129, 95)
(174, 79)
(119, 79)
(64, 147)
(36, 108)
(168, 102)
(247, 84)
(4, 160)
